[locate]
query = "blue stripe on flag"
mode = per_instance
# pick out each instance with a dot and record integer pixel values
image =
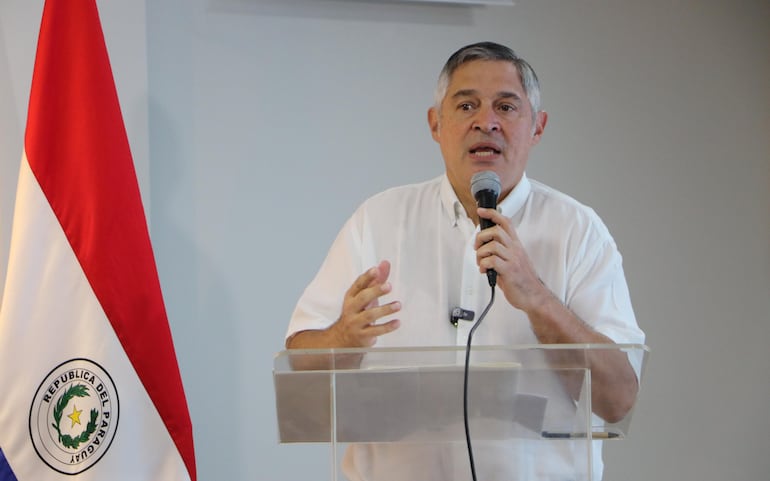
(6, 474)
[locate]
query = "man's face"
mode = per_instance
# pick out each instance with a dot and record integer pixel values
(485, 123)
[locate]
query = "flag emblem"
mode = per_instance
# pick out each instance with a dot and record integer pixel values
(74, 416)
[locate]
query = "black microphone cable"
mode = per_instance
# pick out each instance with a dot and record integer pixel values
(485, 187)
(465, 379)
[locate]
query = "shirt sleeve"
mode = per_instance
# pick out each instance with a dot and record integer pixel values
(599, 295)
(321, 302)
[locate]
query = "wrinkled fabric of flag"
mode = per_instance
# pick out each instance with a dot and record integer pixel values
(91, 384)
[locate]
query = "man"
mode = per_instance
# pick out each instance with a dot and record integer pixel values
(409, 255)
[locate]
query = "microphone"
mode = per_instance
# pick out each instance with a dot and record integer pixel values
(485, 186)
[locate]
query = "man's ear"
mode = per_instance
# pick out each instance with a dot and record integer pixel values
(540, 122)
(433, 123)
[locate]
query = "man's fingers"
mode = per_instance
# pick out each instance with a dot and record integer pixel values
(373, 276)
(383, 271)
(502, 225)
(363, 281)
(357, 324)
(370, 316)
(369, 297)
(376, 330)
(493, 215)
(362, 328)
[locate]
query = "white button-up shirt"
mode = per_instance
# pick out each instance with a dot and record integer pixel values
(425, 233)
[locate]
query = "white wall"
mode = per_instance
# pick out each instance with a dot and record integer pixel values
(270, 120)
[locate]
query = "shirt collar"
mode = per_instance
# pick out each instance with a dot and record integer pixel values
(508, 207)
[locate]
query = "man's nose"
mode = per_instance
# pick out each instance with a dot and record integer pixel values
(486, 121)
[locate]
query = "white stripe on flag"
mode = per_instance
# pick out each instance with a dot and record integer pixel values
(50, 316)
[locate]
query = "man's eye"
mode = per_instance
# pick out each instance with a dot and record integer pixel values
(508, 108)
(465, 106)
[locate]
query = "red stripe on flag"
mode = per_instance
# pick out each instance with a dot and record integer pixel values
(77, 148)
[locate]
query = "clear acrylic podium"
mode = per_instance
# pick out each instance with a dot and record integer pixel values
(400, 410)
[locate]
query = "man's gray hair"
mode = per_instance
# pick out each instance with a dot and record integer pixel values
(490, 51)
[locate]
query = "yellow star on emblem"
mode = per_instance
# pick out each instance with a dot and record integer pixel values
(75, 416)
